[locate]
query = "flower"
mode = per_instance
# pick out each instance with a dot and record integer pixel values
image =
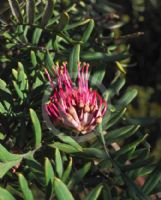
(75, 107)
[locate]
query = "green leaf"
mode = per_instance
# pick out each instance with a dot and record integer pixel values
(98, 76)
(88, 31)
(152, 180)
(68, 170)
(25, 188)
(49, 173)
(6, 99)
(5, 195)
(76, 24)
(93, 153)
(131, 147)
(107, 194)
(79, 175)
(71, 141)
(58, 163)
(115, 117)
(127, 97)
(18, 91)
(122, 133)
(95, 193)
(120, 67)
(74, 60)
(15, 8)
(49, 62)
(64, 19)
(36, 35)
(115, 86)
(61, 190)
(47, 12)
(2, 136)
(22, 78)
(3, 86)
(33, 59)
(5, 167)
(36, 127)
(49, 178)
(89, 56)
(64, 147)
(6, 156)
(30, 10)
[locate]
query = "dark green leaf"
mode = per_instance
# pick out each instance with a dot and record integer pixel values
(64, 19)
(15, 8)
(89, 56)
(74, 60)
(79, 175)
(115, 117)
(30, 10)
(127, 97)
(76, 24)
(68, 170)
(88, 31)
(94, 194)
(152, 180)
(47, 12)
(122, 133)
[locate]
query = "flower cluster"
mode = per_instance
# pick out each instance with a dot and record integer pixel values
(75, 107)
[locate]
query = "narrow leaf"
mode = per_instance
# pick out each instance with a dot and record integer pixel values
(5, 195)
(49, 173)
(49, 178)
(47, 12)
(74, 60)
(120, 67)
(95, 193)
(88, 31)
(30, 10)
(36, 36)
(64, 19)
(36, 127)
(15, 8)
(64, 147)
(6, 166)
(79, 175)
(129, 95)
(25, 188)
(122, 133)
(33, 59)
(67, 172)
(61, 190)
(152, 180)
(58, 163)
(71, 141)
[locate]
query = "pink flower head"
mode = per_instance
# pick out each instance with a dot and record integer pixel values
(75, 107)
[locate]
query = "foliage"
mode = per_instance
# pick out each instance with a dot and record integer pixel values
(34, 158)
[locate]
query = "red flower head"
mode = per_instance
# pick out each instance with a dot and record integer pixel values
(75, 107)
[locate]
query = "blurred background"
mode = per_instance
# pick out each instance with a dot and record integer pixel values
(134, 25)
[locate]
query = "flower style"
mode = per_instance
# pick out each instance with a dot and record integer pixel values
(75, 107)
